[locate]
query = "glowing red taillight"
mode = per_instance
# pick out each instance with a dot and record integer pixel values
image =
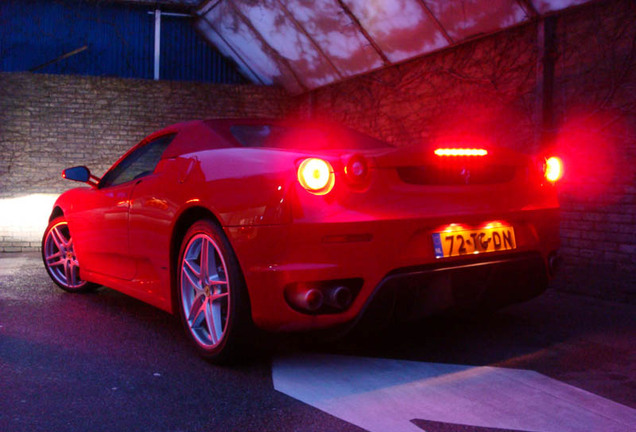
(316, 175)
(461, 152)
(553, 169)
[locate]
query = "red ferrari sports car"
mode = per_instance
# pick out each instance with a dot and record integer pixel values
(289, 226)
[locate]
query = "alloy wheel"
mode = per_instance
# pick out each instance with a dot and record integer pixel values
(205, 291)
(60, 259)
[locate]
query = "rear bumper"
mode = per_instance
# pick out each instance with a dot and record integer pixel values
(391, 257)
(482, 284)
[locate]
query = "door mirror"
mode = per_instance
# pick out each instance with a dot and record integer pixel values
(78, 173)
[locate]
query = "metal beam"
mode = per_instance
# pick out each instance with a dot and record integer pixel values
(172, 14)
(157, 55)
(437, 23)
(157, 44)
(281, 59)
(311, 39)
(207, 7)
(236, 53)
(364, 32)
(57, 59)
(528, 8)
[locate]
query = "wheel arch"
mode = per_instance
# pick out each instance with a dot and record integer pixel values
(185, 221)
(57, 212)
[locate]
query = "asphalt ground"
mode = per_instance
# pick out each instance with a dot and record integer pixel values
(106, 362)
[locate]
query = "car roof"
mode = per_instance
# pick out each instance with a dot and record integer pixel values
(200, 135)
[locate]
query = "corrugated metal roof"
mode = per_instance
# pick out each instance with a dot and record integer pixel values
(105, 38)
(305, 44)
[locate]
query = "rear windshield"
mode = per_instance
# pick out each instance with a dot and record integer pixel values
(303, 138)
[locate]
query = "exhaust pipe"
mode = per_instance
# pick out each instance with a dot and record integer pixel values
(309, 299)
(322, 297)
(554, 263)
(339, 297)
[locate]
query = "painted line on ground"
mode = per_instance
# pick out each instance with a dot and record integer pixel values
(382, 395)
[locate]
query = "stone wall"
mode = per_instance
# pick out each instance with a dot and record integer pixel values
(487, 90)
(50, 122)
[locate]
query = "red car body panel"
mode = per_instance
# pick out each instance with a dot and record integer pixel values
(282, 234)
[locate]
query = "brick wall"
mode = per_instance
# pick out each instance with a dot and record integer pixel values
(487, 89)
(470, 90)
(50, 122)
(596, 108)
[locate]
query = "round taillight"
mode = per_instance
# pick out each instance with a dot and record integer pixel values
(316, 175)
(357, 170)
(553, 170)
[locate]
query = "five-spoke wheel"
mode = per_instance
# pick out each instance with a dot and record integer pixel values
(211, 292)
(59, 257)
(205, 290)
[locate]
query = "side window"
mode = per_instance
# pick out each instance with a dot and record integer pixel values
(139, 163)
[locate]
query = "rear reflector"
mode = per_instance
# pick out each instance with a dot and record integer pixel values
(461, 152)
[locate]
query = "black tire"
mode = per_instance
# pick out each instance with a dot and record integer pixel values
(212, 300)
(59, 258)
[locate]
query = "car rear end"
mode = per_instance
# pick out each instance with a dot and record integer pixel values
(430, 229)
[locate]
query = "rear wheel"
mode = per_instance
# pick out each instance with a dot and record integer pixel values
(212, 298)
(58, 254)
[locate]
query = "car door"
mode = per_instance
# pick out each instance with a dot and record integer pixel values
(104, 221)
(152, 211)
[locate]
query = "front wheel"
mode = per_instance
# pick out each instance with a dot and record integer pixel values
(58, 254)
(212, 299)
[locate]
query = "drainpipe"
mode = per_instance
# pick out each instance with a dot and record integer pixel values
(157, 57)
(157, 42)
(546, 60)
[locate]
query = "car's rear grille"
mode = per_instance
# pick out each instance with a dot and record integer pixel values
(456, 174)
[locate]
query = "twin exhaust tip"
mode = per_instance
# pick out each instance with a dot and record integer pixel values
(554, 263)
(319, 298)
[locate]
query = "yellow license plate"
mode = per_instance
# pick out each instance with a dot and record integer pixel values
(451, 243)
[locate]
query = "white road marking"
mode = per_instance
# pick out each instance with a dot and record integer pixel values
(386, 395)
